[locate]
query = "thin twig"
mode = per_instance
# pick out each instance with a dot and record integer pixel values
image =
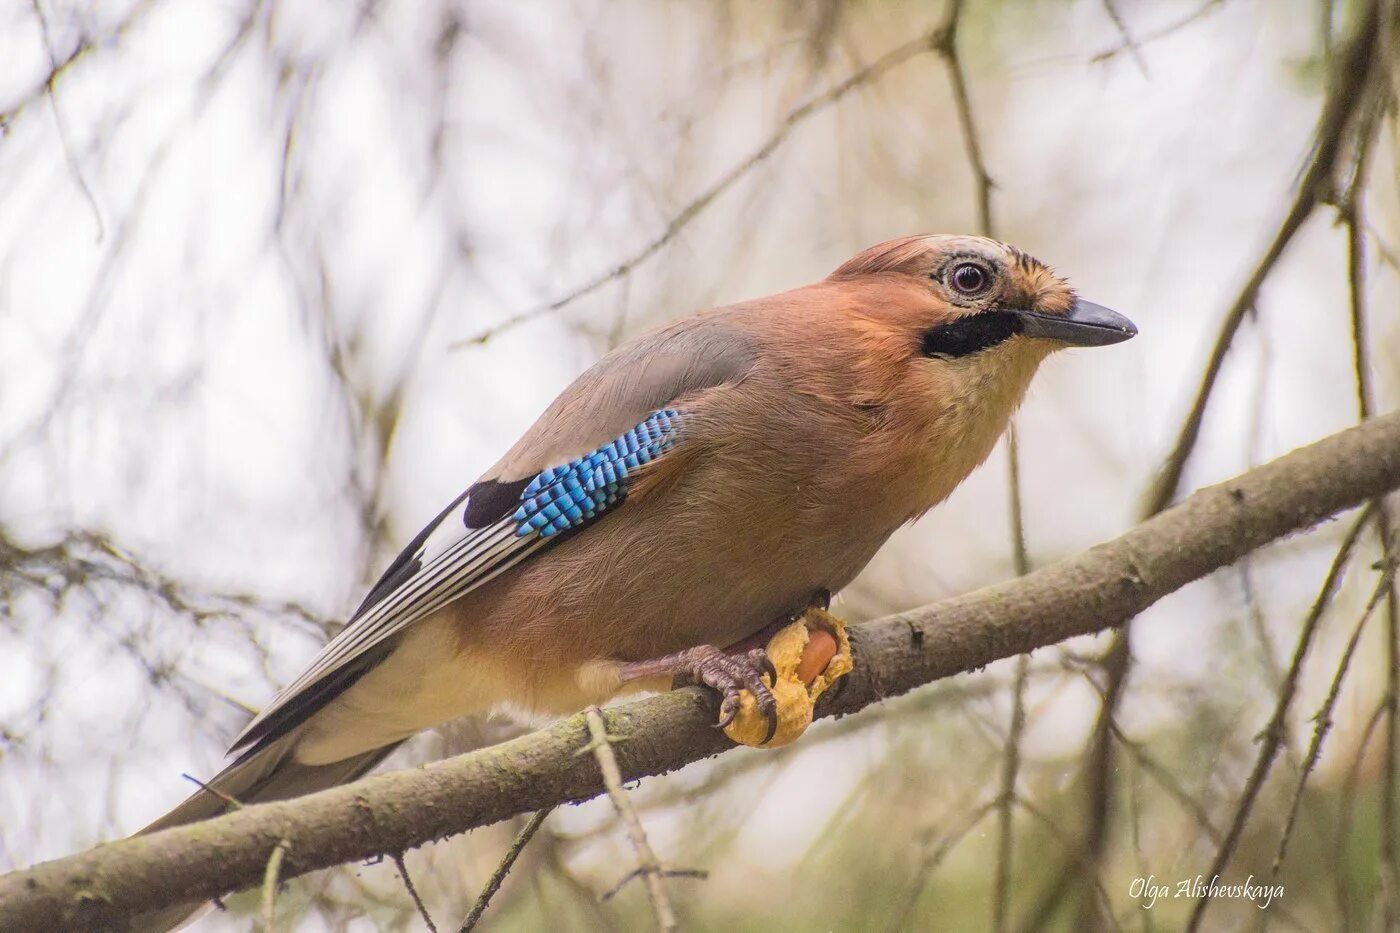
(59, 69)
(613, 891)
(1098, 784)
(95, 305)
(1352, 215)
(1354, 69)
(1011, 765)
(1089, 867)
(1390, 772)
(1267, 649)
(413, 892)
(269, 888)
(1345, 811)
(583, 895)
(932, 40)
(1168, 783)
(648, 867)
(1128, 44)
(957, 77)
(1271, 738)
(60, 124)
(522, 839)
(935, 856)
(1127, 40)
(1327, 14)
(1322, 719)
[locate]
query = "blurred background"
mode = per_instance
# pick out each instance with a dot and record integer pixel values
(279, 279)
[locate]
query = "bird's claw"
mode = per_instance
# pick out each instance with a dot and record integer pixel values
(809, 657)
(729, 674)
(765, 663)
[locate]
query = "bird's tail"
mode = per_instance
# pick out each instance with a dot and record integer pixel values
(270, 773)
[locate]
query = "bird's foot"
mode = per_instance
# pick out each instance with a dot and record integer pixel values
(809, 654)
(735, 675)
(731, 675)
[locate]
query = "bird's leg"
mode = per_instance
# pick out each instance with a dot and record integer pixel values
(721, 671)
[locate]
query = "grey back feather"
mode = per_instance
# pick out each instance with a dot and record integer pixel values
(693, 353)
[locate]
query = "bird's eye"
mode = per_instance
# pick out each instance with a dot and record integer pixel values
(970, 278)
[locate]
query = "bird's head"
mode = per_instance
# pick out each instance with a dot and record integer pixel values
(966, 296)
(954, 327)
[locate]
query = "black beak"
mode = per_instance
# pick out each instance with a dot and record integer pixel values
(1086, 325)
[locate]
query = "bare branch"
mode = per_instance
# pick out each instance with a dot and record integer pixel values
(1128, 44)
(269, 888)
(392, 812)
(934, 857)
(413, 892)
(957, 77)
(1352, 214)
(59, 67)
(499, 875)
(1011, 765)
(1271, 739)
(86, 558)
(1098, 786)
(648, 866)
(1347, 809)
(1322, 719)
(1168, 783)
(1087, 862)
(61, 124)
(1355, 67)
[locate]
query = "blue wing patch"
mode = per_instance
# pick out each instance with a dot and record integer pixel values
(568, 496)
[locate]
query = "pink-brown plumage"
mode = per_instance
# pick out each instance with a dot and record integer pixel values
(816, 422)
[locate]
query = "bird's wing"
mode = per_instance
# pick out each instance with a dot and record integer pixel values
(574, 464)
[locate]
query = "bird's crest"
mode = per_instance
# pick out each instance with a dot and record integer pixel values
(889, 256)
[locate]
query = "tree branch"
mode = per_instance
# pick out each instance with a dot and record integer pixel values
(388, 813)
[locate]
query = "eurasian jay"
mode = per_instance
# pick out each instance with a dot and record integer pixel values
(695, 490)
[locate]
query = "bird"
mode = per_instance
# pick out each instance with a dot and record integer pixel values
(695, 489)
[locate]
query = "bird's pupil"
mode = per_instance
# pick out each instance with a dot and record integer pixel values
(968, 278)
